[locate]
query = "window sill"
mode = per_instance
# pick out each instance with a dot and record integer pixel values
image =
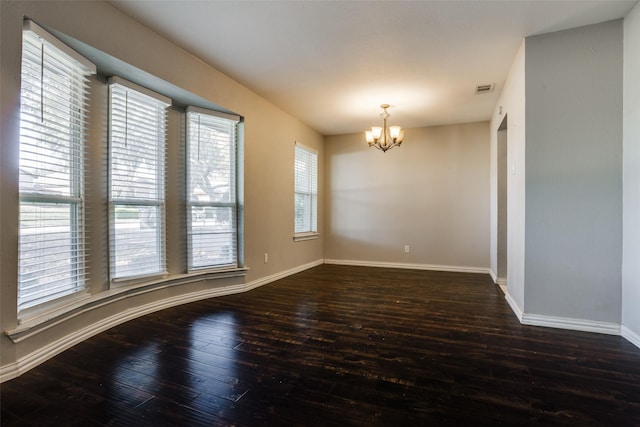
(45, 320)
(300, 237)
(43, 312)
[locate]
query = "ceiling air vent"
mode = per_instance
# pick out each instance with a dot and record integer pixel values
(480, 89)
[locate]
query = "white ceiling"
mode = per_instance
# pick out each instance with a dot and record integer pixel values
(332, 63)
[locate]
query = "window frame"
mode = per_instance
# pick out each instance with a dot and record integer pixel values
(233, 184)
(161, 104)
(57, 137)
(311, 192)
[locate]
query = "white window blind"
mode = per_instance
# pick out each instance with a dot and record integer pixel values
(137, 125)
(306, 190)
(51, 251)
(212, 229)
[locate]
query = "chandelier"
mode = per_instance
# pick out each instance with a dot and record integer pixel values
(383, 138)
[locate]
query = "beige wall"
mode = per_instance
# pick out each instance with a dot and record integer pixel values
(269, 137)
(431, 194)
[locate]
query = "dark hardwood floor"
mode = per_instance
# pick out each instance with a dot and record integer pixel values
(336, 345)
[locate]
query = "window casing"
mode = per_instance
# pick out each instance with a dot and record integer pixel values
(53, 97)
(137, 146)
(306, 190)
(212, 211)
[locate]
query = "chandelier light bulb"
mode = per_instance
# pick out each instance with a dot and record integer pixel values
(394, 132)
(369, 136)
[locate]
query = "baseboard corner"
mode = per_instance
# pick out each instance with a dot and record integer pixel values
(629, 335)
(493, 275)
(514, 306)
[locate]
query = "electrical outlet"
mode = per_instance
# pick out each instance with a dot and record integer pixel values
(406, 249)
(266, 258)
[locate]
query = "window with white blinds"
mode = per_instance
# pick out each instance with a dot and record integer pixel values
(137, 125)
(53, 97)
(212, 217)
(306, 189)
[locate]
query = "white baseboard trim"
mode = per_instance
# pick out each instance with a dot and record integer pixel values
(514, 306)
(571, 324)
(45, 353)
(434, 267)
(562, 322)
(630, 336)
(501, 281)
(10, 371)
(283, 274)
(493, 275)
